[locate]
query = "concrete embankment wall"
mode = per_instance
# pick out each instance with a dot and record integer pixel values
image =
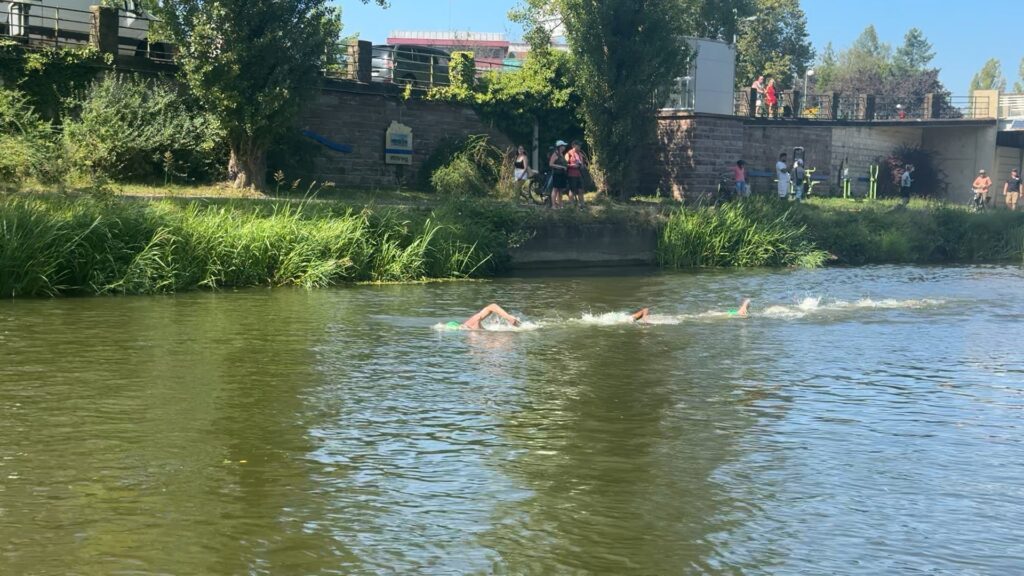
(591, 245)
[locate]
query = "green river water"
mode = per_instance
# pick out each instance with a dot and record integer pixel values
(861, 421)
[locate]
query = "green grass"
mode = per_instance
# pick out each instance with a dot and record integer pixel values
(769, 233)
(103, 243)
(754, 233)
(53, 246)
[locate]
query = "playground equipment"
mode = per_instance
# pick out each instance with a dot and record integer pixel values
(873, 183)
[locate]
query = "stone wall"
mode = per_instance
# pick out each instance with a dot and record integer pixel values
(359, 116)
(763, 141)
(862, 146)
(693, 152)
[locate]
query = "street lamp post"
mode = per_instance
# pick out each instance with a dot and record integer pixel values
(806, 77)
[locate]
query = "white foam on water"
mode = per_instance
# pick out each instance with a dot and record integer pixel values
(812, 305)
(491, 327)
(606, 319)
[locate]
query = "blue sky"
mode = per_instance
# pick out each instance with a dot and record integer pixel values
(962, 42)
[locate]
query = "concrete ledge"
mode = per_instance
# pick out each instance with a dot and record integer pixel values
(587, 246)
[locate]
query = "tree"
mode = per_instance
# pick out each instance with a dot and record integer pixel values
(774, 44)
(625, 51)
(990, 77)
(869, 66)
(916, 52)
(253, 65)
(827, 68)
(715, 18)
(1018, 87)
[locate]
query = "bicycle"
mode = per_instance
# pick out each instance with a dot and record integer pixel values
(536, 189)
(977, 202)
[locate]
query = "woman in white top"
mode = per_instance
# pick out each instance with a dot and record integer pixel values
(782, 174)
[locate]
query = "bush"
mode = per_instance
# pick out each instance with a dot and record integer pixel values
(929, 179)
(474, 170)
(126, 128)
(27, 148)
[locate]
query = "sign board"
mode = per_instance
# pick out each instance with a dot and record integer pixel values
(398, 144)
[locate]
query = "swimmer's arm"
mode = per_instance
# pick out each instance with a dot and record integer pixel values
(473, 322)
(742, 311)
(640, 314)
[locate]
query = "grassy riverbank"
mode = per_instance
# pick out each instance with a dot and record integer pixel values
(51, 246)
(769, 233)
(103, 244)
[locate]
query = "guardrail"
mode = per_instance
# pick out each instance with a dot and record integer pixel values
(866, 107)
(1011, 106)
(45, 25)
(42, 25)
(420, 67)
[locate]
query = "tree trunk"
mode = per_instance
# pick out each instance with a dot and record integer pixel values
(247, 166)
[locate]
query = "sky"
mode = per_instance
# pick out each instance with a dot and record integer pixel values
(962, 39)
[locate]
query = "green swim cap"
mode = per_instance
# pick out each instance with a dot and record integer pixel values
(453, 325)
(733, 312)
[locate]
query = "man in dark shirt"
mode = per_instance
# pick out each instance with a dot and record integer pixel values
(1011, 190)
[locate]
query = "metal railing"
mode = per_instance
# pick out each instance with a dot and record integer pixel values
(421, 68)
(40, 25)
(836, 106)
(1011, 106)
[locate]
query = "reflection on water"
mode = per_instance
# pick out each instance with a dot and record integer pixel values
(860, 421)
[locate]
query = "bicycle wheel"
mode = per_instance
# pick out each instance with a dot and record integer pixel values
(530, 192)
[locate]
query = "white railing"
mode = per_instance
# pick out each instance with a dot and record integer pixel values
(1011, 106)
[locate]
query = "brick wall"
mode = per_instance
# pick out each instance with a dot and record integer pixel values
(694, 151)
(861, 146)
(763, 142)
(360, 117)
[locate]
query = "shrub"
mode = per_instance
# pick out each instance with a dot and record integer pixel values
(474, 170)
(929, 179)
(27, 148)
(126, 128)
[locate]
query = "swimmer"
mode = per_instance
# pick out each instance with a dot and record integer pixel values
(742, 310)
(640, 315)
(473, 322)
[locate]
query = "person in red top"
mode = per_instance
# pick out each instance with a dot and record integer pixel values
(577, 162)
(739, 175)
(771, 97)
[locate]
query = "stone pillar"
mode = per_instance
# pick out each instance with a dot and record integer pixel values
(932, 107)
(834, 106)
(752, 102)
(364, 61)
(867, 106)
(103, 34)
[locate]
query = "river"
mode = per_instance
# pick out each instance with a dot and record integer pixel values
(860, 421)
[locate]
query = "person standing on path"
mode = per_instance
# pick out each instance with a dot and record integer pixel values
(771, 96)
(981, 185)
(758, 86)
(798, 179)
(577, 161)
(1011, 190)
(782, 175)
(559, 179)
(739, 175)
(906, 181)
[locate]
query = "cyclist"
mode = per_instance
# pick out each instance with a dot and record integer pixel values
(981, 185)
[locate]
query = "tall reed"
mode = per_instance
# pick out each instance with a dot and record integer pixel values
(750, 234)
(52, 246)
